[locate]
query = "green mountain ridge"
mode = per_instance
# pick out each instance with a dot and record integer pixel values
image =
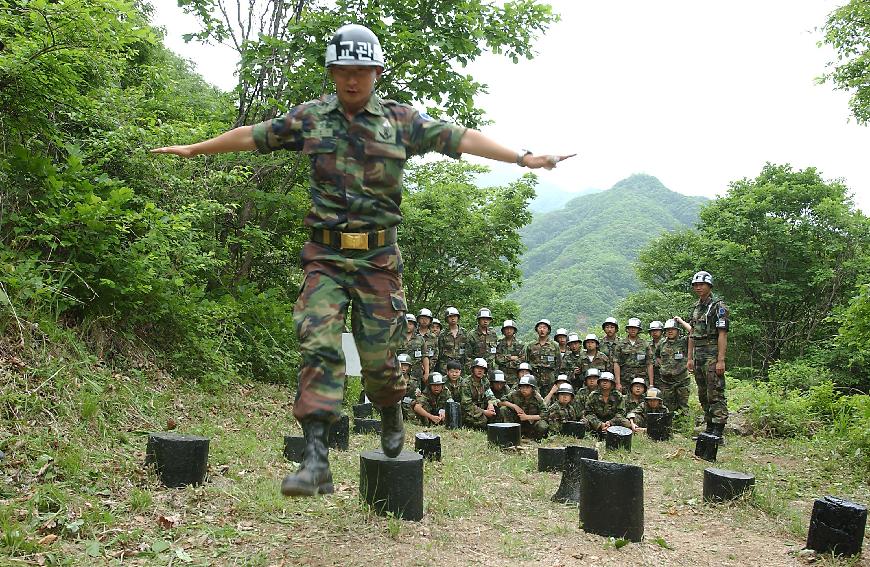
(579, 261)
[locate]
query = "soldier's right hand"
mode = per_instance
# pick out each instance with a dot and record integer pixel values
(183, 151)
(690, 365)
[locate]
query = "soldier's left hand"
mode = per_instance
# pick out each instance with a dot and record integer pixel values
(547, 162)
(720, 368)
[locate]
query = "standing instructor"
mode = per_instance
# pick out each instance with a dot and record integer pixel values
(357, 144)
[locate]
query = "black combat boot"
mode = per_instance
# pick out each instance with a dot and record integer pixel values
(313, 476)
(392, 430)
(711, 428)
(719, 431)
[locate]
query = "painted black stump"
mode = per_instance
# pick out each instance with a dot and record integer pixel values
(503, 434)
(362, 410)
(614, 503)
(658, 425)
(551, 459)
(392, 485)
(569, 488)
(293, 447)
(428, 445)
(339, 434)
(180, 460)
(453, 417)
(618, 437)
(574, 429)
(366, 425)
(707, 446)
(837, 526)
(721, 485)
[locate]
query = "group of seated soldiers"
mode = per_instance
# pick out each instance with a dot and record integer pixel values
(546, 383)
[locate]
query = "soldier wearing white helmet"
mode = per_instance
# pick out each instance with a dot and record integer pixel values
(509, 352)
(656, 333)
(436, 326)
(571, 360)
(604, 405)
(453, 341)
(672, 354)
(634, 357)
(591, 384)
(707, 345)
(562, 409)
(544, 356)
(478, 402)
(499, 387)
(524, 369)
(610, 339)
(483, 341)
(561, 338)
(593, 357)
(652, 403)
(414, 345)
(526, 406)
(431, 404)
(424, 327)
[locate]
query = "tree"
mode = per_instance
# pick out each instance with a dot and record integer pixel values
(460, 242)
(847, 30)
(784, 249)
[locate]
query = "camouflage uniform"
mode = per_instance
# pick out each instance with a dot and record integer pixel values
(415, 348)
(503, 394)
(598, 411)
(570, 363)
(581, 395)
(410, 394)
(503, 352)
(451, 348)
(455, 390)
(633, 359)
(673, 381)
(599, 361)
(630, 403)
(557, 414)
(355, 186)
(431, 342)
(431, 403)
(533, 405)
(482, 346)
(608, 349)
(544, 359)
(706, 320)
(475, 398)
(561, 369)
(653, 345)
(643, 409)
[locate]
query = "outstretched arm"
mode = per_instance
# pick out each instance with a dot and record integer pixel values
(236, 140)
(475, 143)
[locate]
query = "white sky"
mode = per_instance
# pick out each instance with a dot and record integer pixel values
(696, 93)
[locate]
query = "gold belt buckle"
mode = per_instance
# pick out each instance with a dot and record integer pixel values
(355, 240)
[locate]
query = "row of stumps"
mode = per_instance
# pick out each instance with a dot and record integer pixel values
(615, 508)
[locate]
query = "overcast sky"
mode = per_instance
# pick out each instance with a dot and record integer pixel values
(696, 93)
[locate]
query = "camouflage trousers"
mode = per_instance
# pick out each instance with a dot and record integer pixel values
(370, 284)
(476, 420)
(711, 387)
(674, 391)
(531, 429)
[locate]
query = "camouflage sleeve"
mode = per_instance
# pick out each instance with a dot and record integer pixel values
(430, 135)
(284, 132)
(723, 317)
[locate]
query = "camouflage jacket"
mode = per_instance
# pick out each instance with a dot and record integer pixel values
(599, 361)
(432, 403)
(571, 366)
(629, 404)
(638, 415)
(533, 405)
(413, 385)
(707, 319)
(356, 166)
(558, 414)
(431, 342)
(482, 345)
(452, 348)
(503, 352)
(633, 358)
(502, 394)
(415, 347)
(543, 357)
(671, 356)
(608, 347)
(581, 395)
(455, 390)
(475, 396)
(603, 410)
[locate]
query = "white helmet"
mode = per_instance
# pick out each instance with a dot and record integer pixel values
(670, 324)
(424, 313)
(484, 313)
(436, 378)
(612, 321)
(480, 362)
(410, 317)
(497, 376)
(545, 322)
(404, 359)
(524, 366)
(656, 326)
(633, 322)
(607, 376)
(593, 372)
(653, 394)
(509, 323)
(527, 380)
(561, 331)
(573, 338)
(451, 311)
(562, 378)
(435, 321)
(702, 277)
(640, 381)
(592, 337)
(565, 389)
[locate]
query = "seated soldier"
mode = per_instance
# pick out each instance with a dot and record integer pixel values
(604, 405)
(560, 379)
(478, 402)
(652, 403)
(635, 396)
(581, 395)
(413, 388)
(431, 405)
(563, 409)
(453, 384)
(526, 407)
(523, 369)
(498, 386)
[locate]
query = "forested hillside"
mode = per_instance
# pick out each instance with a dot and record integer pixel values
(579, 261)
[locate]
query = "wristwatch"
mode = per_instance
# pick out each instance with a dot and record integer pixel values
(521, 155)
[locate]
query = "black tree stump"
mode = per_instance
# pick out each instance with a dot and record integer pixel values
(180, 460)
(569, 488)
(707, 446)
(428, 445)
(339, 434)
(392, 485)
(362, 410)
(618, 437)
(721, 485)
(659, 425)
(612, 505)
(837, 526)
(366, 425)
(574, 429)
(503, 434)
(453, 417)
(293, 448)
(551, 459)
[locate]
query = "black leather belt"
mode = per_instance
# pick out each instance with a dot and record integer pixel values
(354, 240)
